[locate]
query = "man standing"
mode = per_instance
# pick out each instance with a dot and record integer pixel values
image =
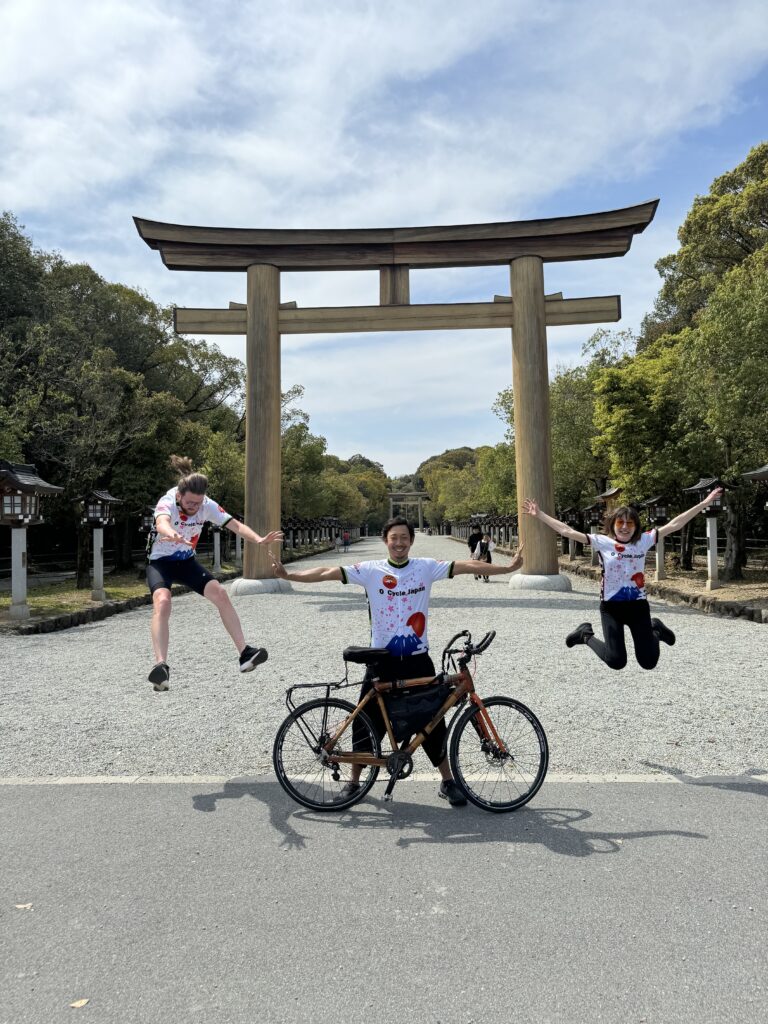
(398, 589)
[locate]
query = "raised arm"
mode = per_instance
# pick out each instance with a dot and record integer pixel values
(248, 534)
(685, 517)
(321, 574)
(531, 508)
(478, 568)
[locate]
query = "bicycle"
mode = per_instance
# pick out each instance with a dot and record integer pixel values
(498, 751)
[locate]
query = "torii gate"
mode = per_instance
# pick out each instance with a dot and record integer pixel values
(409, 498)
(524, 245)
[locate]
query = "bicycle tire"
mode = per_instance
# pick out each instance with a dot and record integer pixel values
(299, 766)
(497, 780)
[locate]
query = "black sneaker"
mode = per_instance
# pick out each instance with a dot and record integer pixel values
(664, 633)
(450, 791)
(580, 635)
(349, 790)
(159, 677)
(250, 657)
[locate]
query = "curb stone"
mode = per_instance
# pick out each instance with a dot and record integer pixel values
(98, 612)
(103, 611)
(705, 603)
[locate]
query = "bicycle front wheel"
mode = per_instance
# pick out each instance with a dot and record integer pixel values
(499, 761)
(306, 771)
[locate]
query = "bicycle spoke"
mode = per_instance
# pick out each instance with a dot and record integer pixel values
(305, 768)
(505, 775)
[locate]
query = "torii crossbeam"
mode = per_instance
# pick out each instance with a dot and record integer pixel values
(393, 252)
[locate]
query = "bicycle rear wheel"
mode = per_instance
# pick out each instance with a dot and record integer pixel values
(499, 776)
(306, 771)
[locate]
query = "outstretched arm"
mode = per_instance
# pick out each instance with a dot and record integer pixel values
(531, 508)
(321, 574)
(685, 517)
(165, 531)
(248, 534)
(478, 568)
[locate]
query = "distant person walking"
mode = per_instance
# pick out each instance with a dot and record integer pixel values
(472, 541)
(623, 601)
(345, 539)
(482, 552)
(180, 516)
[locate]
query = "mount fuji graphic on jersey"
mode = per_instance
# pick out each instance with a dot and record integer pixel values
(403, 644)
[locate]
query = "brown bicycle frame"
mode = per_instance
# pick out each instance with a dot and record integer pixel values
(463, 683)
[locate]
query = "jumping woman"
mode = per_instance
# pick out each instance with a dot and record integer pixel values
(623, 601)
(180, 516)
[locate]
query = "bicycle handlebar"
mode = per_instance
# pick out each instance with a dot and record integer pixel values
(451, 642)
(469, 649)
(485, 643)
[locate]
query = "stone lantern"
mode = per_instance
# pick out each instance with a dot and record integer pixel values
(757, 476)
(216, 531)
(593, 517)
(20, 492)
(701, 489)
(97, 513)
(656, 510)
(571, 517)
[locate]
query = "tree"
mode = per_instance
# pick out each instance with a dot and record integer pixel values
(22, 271)
(727, 356)
(721, 230)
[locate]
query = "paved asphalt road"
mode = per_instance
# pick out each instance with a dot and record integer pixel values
(215, 897)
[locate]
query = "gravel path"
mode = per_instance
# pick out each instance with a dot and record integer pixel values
(77, 703)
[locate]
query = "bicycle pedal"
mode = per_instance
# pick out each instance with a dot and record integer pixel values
(389, 798)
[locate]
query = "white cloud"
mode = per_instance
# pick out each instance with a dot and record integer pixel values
(357, 113)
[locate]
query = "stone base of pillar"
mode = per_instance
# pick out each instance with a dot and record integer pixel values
(555, 581)
(712, 585)
(98, 595)
(243, 587)
(19, 611)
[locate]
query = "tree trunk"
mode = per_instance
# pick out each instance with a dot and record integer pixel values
(735, 539)
(83, 565)
(686, 545)
(123, 545)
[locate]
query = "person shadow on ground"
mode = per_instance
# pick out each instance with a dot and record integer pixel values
(559, 829)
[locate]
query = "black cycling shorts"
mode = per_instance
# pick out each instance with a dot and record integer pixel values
(163, 572)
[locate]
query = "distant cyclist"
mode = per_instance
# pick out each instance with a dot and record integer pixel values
(180, 516)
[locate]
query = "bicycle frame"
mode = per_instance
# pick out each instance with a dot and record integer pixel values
(461, 683)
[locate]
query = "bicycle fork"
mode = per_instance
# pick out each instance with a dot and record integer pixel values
(483, 725)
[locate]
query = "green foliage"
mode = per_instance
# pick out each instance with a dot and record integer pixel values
(727, 358)
(22, 271)
(722, 229)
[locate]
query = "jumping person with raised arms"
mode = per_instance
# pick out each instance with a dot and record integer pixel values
(398, 589)
(623, 600)
(180, 516)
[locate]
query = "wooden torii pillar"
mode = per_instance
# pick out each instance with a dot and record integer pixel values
(523, 245)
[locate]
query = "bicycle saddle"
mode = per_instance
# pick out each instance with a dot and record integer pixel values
(365, 655)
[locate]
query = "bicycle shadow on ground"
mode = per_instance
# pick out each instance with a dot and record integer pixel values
(557, 829)
(744, 783)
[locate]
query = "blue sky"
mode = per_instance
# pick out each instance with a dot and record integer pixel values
(350, 113)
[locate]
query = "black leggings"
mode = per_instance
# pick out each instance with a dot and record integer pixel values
(413, 667)
(636, 615)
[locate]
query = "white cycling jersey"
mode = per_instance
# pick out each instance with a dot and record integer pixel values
(189, 526)
(398, 598)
